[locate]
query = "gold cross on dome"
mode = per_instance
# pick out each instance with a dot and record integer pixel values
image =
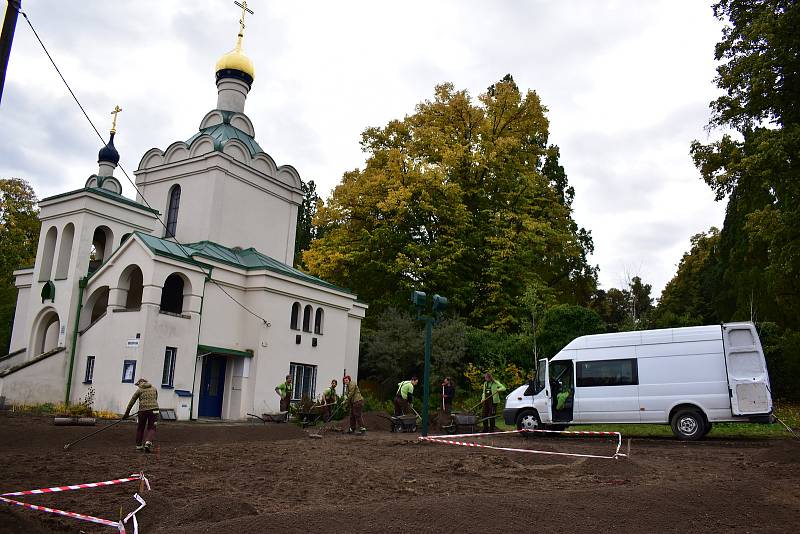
(117, 109)
(245, 10)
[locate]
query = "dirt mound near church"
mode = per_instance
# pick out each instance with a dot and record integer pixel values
(229, 478)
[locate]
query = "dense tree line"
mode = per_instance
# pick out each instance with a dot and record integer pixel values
(750, 269)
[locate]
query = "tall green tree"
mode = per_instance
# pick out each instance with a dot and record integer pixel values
(688, 299)
(306, 231)
(563, 323)
(757, 167)
(19, 236)
(463, 198)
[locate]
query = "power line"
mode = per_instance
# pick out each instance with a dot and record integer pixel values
(71, 92)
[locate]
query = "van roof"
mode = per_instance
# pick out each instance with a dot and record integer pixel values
(646, 337)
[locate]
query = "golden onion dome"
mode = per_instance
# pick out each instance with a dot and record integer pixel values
(236, 60)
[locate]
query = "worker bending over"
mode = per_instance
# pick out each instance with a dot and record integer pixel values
(404, 396)
(147, 396)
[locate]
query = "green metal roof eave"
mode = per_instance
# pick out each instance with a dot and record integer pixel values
(190, 261)
(103, 193)
(222, 350)
(299, 275)
(145, 238)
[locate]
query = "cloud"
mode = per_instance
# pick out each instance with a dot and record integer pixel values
(625, 94)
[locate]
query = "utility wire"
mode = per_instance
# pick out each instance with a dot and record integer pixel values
(99, 135)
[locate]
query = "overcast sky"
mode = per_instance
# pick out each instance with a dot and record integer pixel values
(627, 84)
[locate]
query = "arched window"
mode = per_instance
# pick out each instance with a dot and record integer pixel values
(307, 319)
(295, 323)
(100, 305)
(95, 306)
(48, 252)
(172, 294)
(172, 210)
(45, 336)
(132, 281)
(102, 241)
(65, 252)
(318, 317)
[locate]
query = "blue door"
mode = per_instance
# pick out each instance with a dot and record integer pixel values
(212, 384)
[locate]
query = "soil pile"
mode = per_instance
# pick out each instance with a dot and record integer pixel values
(235, 478)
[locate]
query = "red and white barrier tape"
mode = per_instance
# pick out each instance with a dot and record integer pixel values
(119, 525)
(446, 440)
(137, 476)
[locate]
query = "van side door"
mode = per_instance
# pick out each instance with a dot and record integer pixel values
(541, 399)
(747, 370)
(607, 391)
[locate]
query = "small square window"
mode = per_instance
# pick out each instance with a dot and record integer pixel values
(87, 377)
(128, 371)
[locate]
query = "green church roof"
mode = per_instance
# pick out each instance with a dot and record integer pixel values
(224, 132)
(104, 193)
(248, 259)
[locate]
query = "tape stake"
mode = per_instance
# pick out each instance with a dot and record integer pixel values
(119, 525)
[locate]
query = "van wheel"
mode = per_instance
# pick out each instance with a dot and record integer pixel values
(688, 425)
(528, 420)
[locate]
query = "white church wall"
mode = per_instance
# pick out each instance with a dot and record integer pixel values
(327, 354)
(111, 341)
(23, 281)
(225, 200)
(142, 337)
(197, 191)
(44, 381)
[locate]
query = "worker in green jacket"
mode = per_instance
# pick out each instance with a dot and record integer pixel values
(355, 401)
(147, 396)
(284, 390)
(329, 398)
(404, 396)
(490, 399)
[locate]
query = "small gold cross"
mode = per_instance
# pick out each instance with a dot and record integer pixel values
(117, 109)
(245, 10)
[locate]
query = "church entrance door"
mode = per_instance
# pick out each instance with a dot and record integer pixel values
(212, 385)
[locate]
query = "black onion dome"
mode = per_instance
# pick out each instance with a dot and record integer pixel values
(109, 152)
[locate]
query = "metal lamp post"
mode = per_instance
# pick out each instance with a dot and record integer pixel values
(419, 299)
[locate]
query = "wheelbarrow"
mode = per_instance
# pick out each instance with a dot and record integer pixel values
(461, 423)
(280, 417)
(309, 418)
(404, 423)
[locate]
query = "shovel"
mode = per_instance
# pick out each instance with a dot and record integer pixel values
(68, 445)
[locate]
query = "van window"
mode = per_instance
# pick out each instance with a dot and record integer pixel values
(607, 373)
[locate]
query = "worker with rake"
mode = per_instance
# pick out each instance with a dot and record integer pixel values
(404, 396)
(147, 396)
(329, 398)
(355, 401)
(490, 399)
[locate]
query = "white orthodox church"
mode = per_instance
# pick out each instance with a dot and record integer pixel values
(197, 293)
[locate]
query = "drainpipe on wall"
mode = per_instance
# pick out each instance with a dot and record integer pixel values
(81, 286)
(198, 356)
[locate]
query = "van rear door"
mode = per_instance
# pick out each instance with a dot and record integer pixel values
(747, 370)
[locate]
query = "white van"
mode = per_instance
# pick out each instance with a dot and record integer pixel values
(689, 378)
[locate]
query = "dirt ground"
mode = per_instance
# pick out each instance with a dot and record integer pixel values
(241, 478)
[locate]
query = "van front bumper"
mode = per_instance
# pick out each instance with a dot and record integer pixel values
(510, 416)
